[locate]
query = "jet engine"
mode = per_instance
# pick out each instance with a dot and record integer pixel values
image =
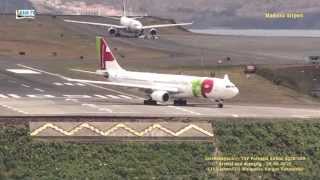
(153, 32)
(160, 96)
(113, 31)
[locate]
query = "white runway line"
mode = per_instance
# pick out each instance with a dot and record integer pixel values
(24, 85)
(80, 84)
(40, 90)
(105, 109)
(49, 96)
(3, 96)
(113, 97)
(72, 100)
(14, 95)
(14, 109)
(185, 110)
(77, 96)
(97, 107)
(300, 116)
(40, 96)
(58, 84)
(124, 96)
(84, 71)
(90, 105)
(100, 96)
(112, 90)
(68, 84)
(23, 71)
(63, 77)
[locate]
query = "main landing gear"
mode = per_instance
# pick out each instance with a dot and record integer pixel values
(143, 36)
(150, 102)
(180, 102)
(220, 103)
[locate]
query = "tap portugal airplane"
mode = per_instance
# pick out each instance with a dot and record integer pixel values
(131, 25)
(160, 87)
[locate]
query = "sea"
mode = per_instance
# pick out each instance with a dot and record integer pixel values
(261, 32)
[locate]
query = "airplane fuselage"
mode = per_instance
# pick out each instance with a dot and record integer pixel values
(132, 25)
(188, 86)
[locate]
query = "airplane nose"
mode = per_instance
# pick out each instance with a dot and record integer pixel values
(236, 91)
(138, 27)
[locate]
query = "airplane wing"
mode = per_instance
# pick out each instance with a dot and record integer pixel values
(96, 24)
(165, 25)
(153, 87)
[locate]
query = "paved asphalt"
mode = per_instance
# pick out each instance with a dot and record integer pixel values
(26, 91)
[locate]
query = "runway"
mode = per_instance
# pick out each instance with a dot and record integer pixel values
(27, 90)
(58, 46)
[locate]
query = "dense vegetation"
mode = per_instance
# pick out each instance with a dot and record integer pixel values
(23, 158)
(273, 139)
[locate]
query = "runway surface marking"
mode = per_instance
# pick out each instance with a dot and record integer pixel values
(126, 97)
(77, 96)
(3, 96)
(14, 109)
(58, 84)
(100, 96)
(114, 97)
(69, 96)
(68, 84)
(185, 110)
(40, 90)
(24, 85)
(14, 95)
(235, 115)
(101, 103)
(97, 107)
(23, 71)
(92, 85)
(300, 116)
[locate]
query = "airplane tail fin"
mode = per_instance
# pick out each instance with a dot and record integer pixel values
(226, 78)
(124, 8)
(107, 60)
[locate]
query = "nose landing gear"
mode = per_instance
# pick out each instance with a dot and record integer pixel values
(220, 103)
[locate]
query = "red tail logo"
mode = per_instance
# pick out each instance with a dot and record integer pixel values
(106, 54)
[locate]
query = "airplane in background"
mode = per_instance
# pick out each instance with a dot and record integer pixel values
(160, 87)
(131, 25)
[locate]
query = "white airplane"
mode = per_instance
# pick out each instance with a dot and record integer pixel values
(160, 87)
(131, 25)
